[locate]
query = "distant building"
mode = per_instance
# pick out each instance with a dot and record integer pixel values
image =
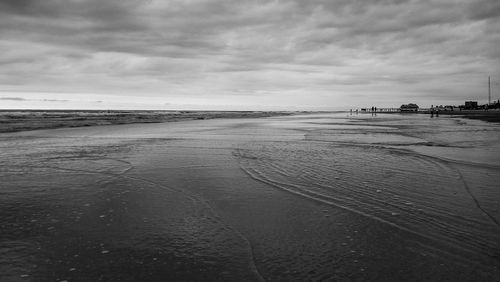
(409, 108)
(470, 105)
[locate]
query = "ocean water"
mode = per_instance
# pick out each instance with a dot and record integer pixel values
(323, 197)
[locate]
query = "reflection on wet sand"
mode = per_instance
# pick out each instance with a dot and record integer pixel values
(296, 198)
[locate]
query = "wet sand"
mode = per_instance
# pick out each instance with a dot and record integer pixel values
(22, 120)
(245, 200)
(490, 115)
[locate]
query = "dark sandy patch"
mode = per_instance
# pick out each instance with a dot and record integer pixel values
(489, 116)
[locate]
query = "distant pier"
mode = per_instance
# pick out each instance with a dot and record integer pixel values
(392, 110)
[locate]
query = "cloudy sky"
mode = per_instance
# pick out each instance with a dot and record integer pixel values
(229, 54)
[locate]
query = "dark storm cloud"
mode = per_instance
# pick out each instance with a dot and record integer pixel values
(180, 27)
(12, 99)
(26, 7)
(24, 99)
(481, 10)
(263, 46)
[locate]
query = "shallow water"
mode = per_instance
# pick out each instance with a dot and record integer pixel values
(313, 197)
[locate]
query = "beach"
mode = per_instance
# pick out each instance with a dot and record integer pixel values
(317, 197)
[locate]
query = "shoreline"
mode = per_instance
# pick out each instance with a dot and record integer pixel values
(488, 116)
(26, 120)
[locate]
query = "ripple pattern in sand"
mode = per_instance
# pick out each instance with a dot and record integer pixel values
(412, 192)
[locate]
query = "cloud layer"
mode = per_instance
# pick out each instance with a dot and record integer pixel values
(272, 53)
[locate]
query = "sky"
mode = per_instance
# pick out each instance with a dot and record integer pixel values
(247, 55)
